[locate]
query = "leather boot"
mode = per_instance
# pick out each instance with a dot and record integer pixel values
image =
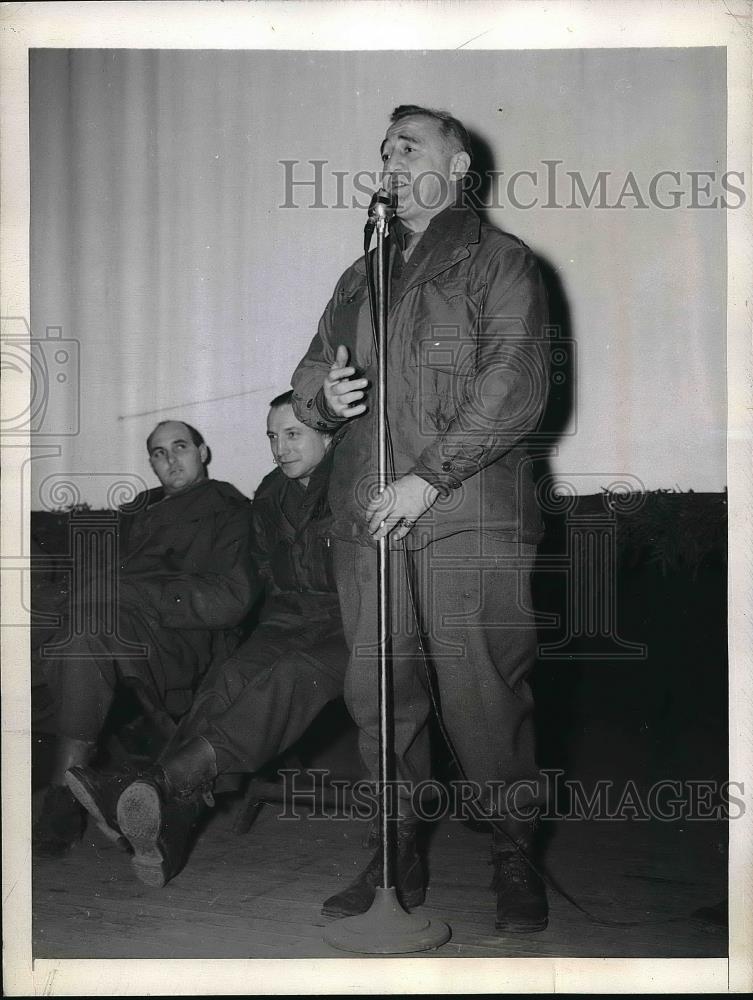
(159, 811)
(191, 767)
(62, 821)
(409, 875)
(98, 793)
(521, 896)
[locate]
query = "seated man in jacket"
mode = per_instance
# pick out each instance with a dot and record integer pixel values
(256, 704)
(184, 580)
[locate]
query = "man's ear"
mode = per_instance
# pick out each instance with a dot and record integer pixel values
(459, 164)
(203, 454)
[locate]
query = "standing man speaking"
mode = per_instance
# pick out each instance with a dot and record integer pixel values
(466, 384)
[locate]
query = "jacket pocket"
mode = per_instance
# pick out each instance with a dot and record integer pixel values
(441, 389)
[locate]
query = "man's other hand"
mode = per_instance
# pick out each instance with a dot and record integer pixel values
(395, 511)
(341, 390)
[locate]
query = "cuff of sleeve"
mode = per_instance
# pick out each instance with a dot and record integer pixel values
(315, 412)
(444, 481)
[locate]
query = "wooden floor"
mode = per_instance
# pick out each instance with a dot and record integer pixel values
(259, 895)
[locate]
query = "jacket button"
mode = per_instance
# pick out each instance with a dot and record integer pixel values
(447, 466)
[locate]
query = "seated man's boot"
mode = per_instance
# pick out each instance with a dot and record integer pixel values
(521, 895)
(98, 792)
(60, 825)
(62, 821)
(159, 811)
(409, 876)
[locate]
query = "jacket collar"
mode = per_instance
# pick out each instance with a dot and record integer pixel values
(312, 498)
(444, 243)
(204, 497)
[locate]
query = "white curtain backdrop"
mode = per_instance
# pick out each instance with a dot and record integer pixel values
(160, 242)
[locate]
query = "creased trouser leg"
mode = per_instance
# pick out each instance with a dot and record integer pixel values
(473, 602)
(476, 605)
(259, 702)
(355, 571)
(83, 692)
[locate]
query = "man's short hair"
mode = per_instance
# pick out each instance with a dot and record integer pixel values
(453, 131)
(195, 436)
(284, 399)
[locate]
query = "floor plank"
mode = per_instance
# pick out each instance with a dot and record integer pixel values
(259, 895)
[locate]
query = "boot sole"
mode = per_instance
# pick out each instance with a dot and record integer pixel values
(81, 792)
(140, 819)
(531, 928)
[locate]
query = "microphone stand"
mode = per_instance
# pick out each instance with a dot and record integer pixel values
(386, 928)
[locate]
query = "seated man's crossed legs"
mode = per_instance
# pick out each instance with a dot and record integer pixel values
(248, 710)
(83, 683)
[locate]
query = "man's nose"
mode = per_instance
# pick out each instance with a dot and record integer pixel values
(393, 164)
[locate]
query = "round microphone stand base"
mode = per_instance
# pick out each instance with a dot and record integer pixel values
(386, 929)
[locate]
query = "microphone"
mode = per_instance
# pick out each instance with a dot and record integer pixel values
(383, 207)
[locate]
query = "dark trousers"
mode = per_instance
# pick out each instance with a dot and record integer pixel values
(472, 600)
(162, 664)
(254, 705)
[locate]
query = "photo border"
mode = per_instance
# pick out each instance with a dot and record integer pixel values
(296, 24)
